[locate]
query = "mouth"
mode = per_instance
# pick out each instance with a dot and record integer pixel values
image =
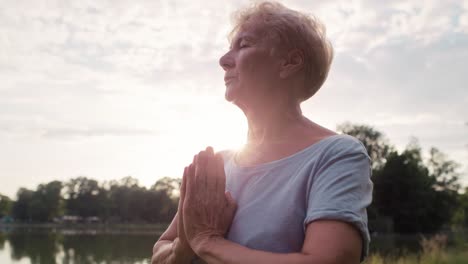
(227, 79)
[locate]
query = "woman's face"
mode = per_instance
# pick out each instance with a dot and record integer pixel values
(251, 69)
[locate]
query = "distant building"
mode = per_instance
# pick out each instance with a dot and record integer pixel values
(92, 219)
(71, 219)
(74, 219)
(6, 219)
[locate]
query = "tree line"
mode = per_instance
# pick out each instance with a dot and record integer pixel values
(412, 194)
(123, 201)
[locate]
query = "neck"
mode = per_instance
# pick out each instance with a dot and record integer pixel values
(273, 123)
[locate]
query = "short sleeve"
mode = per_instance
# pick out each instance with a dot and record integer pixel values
(341, 189)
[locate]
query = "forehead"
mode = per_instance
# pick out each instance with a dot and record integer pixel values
(244, 35)
(250, 30)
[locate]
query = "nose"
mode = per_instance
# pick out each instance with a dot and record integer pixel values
(226, 61)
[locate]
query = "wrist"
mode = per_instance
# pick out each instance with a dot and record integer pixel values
(205, 246)
(182, 252)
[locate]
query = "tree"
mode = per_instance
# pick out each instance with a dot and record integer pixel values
(5, 205)
(443, 171)
(373, 140)
(22, 206)
(127, 200)
(84, 197)
(405, 191)
(168, 185)
(47, 201)
(41, 205)
(460, 218)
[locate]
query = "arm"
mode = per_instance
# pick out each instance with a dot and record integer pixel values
(326, 242)
(173, 247)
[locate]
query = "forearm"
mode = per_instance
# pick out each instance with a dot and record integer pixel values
(170, 252)
(223, 251)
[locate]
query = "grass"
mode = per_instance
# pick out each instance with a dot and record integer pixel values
(434, 251)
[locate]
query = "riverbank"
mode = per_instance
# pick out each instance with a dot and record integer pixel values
(86, 228)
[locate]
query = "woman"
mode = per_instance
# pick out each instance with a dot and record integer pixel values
(300, 190)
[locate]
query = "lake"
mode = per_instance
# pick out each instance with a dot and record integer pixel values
(49, 245)
(61, 245)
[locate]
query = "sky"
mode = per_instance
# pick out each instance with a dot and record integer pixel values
(108, 89)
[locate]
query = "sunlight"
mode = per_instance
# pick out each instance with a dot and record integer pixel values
(224, 129)
(217, 124)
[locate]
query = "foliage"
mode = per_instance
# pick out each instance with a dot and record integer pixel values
(22, 207)
(460, 218)
(41, 205)
(443, 171)
(84, 197)
(372, 139)
(169, 185)
(406, 188)
(114, 201)
(406, 191)
(5, 205)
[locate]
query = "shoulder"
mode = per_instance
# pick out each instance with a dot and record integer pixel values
(342, 153)
(339, 145)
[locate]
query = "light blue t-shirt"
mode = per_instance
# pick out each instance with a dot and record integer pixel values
(276, 200)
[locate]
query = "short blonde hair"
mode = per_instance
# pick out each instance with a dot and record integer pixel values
(293, 30)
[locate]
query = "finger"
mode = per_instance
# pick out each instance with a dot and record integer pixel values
(180, 213)
(211, 171)
(221, 175)
(181, 201)
(215, 183)
(200, 170)
(190, 171)
(189, 182)
(183, 187)
(219, 187)
(210, 150)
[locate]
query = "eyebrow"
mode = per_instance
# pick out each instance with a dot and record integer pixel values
(240, 39)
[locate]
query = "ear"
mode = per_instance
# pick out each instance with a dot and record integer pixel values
(293, 62)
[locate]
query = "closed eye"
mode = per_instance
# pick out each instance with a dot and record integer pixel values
(243, 45)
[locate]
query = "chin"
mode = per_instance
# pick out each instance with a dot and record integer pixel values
(229, 95)
(233, 95)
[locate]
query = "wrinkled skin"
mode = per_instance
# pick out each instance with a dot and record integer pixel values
(207, 209)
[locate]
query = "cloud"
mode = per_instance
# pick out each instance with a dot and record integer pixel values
(365, 25)
(40, 126)
(67, 133)
(463, 18)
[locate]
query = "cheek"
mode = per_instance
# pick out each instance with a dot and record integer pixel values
(251, 68)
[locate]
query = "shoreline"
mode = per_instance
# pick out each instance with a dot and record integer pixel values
(86, 228)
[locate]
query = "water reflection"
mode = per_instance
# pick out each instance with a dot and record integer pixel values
(39, 248)
(53, 246)
(47, 246)
(107, 248)
(2, 241)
